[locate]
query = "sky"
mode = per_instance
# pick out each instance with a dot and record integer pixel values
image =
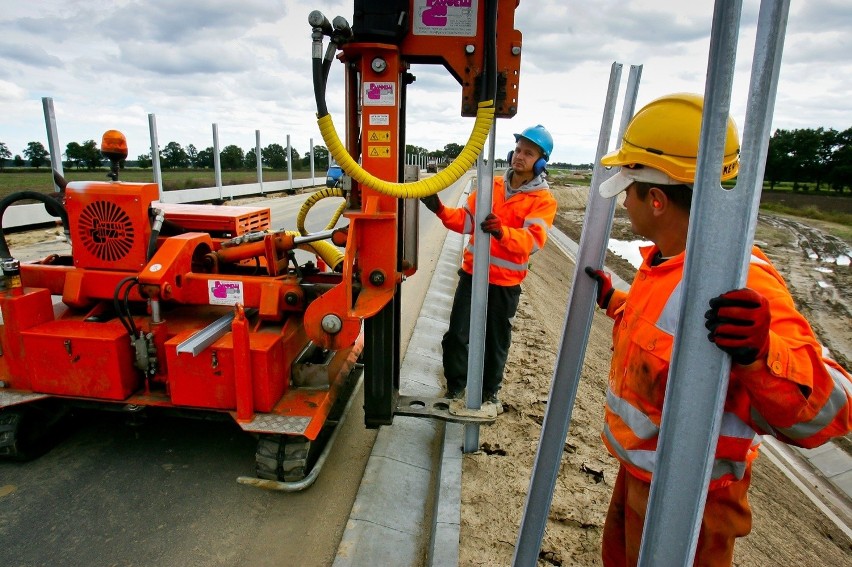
(247, 66)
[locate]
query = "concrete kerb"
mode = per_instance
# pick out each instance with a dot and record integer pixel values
(408, 505)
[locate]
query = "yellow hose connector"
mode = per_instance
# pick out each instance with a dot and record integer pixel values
(424, 187)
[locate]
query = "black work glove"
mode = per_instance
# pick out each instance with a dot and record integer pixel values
(738, 322)
(605, 289)
(433, 203)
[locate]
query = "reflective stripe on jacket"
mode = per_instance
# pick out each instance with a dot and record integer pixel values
(527, 214)
(797, 394)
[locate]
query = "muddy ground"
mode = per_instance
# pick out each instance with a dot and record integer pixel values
(788, 528)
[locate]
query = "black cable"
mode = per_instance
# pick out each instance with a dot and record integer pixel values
(53, 207)
(118, 308)
(135, 332)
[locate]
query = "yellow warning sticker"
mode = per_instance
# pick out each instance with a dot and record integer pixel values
(378, 136)
(378, 151)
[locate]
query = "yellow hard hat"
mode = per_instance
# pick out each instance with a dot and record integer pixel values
(664, 135)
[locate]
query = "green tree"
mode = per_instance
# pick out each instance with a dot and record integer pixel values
(231, 157)
(840, 170)
(192, 155)
(144, 161)
(18, 161)
(451, 151)
(321, 159)
(91, 155)
(204, 159)
(275, 156)
(36, 153)
(295, 158)
(251, 159)
(4, 155)
(174, 156)
(778, 157)
(74, 155)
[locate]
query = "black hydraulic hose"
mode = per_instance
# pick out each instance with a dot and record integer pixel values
(53, 207)
(319, 87)
(119, 311)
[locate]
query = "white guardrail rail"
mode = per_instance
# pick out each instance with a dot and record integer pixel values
(18, 216)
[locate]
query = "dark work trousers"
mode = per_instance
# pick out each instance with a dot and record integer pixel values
(502, 306)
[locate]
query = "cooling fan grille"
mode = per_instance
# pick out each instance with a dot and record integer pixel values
(106, 231)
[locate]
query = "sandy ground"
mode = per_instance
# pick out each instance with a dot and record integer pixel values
(788, 528)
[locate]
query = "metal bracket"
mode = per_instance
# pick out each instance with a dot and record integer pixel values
(443, 409)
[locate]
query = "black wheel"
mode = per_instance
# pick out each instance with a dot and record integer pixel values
(28, 431)
(282, 457)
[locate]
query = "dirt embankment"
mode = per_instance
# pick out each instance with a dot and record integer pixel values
(788, 528)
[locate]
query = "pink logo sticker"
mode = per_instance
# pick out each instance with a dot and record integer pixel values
(221, 290)
(435, 14)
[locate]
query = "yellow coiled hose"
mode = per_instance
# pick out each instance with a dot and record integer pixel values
(329, 253)
(424, 187)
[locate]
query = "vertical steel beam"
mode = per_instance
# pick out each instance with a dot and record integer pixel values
(52, 139)
(155, 154)
(217, 166)
(259, 160)
(716, 261)
(289, 164)
(479, 293)
(575, 334)
(313, 175)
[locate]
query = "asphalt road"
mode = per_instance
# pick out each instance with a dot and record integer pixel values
(163, 491)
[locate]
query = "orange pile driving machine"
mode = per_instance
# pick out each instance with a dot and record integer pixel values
(206, 308)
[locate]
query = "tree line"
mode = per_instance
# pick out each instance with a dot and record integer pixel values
(86, 155)
(804, 156)
(821, 156)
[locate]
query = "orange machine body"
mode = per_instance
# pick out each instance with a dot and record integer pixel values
(62, 334)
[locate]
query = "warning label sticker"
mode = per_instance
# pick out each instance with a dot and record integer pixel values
(379, 120)
(378, 151)
(378, 136)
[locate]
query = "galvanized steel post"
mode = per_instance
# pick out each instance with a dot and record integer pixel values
(575, 334)
(716, 261)
(289, 163)
(155, 154)
(217, 166)
(258, 159)
(52, 139)
(479, 291)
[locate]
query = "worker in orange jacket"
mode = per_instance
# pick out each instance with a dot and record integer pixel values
(782, 381)
(522, 211)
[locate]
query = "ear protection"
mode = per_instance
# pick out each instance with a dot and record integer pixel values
(538, 167)
(656, 204)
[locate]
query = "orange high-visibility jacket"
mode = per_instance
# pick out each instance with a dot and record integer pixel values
(798, 394)
(526, 213)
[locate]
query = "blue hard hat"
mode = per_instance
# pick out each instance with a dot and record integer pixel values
(539, 136)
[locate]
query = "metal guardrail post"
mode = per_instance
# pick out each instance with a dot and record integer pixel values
(479, 291)
(313, 175)
(575, 335)
(155, 154)
(716, 261)
(52, 139)
(217, 166)
(258, 159)
(289, 163)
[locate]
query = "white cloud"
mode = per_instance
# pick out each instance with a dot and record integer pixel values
(247, 67)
